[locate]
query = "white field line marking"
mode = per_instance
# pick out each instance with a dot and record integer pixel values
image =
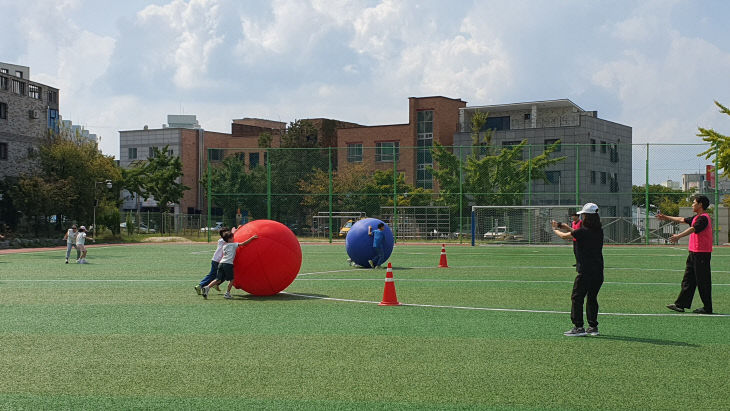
(513, 310)
(519, 267)
(489, 281)
(131, 280)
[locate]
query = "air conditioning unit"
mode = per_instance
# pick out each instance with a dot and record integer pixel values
(33, 113)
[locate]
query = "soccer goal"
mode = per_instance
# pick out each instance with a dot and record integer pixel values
(518, 224)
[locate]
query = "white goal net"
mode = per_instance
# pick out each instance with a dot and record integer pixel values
(518, 224)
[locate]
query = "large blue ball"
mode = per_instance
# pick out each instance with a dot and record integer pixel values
(359, 244)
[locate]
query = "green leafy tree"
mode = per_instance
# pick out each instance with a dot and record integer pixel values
(65, 159)
(664, 199)
(163, 173)
(490, 176)
(719, 144)
(39, 198)
(235, 188)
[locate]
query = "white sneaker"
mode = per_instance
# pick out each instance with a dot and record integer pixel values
(205, 292)
(227, 296)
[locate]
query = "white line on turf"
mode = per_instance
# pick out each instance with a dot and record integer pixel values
(515, 310)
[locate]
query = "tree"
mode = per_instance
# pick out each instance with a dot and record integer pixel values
(719, 144)
(490, 176)
(162, 174)
(40, 198)
(235, 188)
(662, 198)
(70, 165)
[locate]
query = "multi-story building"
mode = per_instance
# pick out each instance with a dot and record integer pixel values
(597, 164)
(429, 119)
(191, 143)
(27, 111)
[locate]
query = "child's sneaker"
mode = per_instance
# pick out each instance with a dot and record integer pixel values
(592, 331)
(575, 332)
(205, 292)
(372, 263)
(67, 261)
(198, 289)
(227, 296)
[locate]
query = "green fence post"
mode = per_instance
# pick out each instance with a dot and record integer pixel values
(268, 183)
(646, 199)
(461, 195)
(210, 199)
(329, 157)
(577, 174)
(529, 191)
(395, 198)
(716, 214)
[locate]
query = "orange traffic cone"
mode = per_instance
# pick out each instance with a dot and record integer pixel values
(442, 262)
(389, 297)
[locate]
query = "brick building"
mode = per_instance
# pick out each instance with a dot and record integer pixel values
(429, 119)
(27, 111)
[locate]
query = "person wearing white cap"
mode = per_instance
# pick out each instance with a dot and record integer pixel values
(589, 265)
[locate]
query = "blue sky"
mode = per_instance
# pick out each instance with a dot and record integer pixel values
(656, 66)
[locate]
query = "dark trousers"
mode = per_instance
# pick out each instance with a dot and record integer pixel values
(696, 275)
(586, 286)
(211, 275)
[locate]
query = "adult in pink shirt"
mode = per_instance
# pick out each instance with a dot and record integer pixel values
(697, 270)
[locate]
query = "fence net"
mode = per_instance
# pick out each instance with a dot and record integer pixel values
(426, 194)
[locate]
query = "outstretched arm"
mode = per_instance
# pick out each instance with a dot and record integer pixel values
(663, 217)
(253, 237)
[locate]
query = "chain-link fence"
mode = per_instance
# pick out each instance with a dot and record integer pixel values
(427, 192)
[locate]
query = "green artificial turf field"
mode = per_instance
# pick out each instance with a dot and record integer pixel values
(128, 331)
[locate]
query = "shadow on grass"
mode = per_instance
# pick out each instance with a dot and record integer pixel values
(277, 297)
(652, 341)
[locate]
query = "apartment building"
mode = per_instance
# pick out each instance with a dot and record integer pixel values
(28, 109)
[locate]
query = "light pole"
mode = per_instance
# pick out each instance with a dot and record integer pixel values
(108, 185)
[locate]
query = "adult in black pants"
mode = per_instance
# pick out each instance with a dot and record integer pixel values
(697, 270)
(589, 265)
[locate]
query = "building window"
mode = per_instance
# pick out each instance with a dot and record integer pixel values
(132, 153)
(253, 160)
(18, 74)
(354, 153)
(553, 177)
(52, 96)
(215, 154)
(551, 141)
(3, 111)
(424, 141)
(593, 177)
(385, 152)
(527, 116)
(496, 123)
(170, 152)
(53, 119)
(593, 144)
(17, 87)
(3, 83)
(4, 70)
(603, 147)
(614, 183)
(151, 152)
(34, 91)
(613, 153)
(603, 177)
(3, 151)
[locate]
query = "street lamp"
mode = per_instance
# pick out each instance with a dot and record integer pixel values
(96, 202)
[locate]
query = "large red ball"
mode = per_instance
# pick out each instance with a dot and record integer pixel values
(268, 264)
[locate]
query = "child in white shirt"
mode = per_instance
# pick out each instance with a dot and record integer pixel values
(81, 244)
(225, 267)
